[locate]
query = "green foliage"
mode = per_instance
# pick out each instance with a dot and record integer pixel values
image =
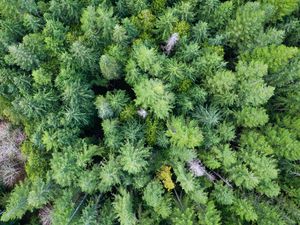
(147, 59)
(283, 7)
(208, 116)
(187, 181)
(124, 209)
(104, 109)
(184, 134)
(256, 141)
(63, 208)
(254, 169)
(252, 88)
(165, 24)
(247, 25)
(36, 164)
(243, 177)
(185, 217)
(154, 197)
(153, 94)
(18, 203)
(42, 77)
(222, 156)
(210, 215)
(67, 165)
(133, 158)
(37, 104)
(276, 57)
(252, 117)
(283, 143)
(200, 32)
(28, 54)
(245, 210)
(111, 132)
(64, 8)
(109, 175)
(112, 104)
(41, 193)
(149, 112)
(89, 214)
(54, 36)
(222, 87)
(82, 57)
(223, 194)
(65, 172)
(269, 215)
(109, 67)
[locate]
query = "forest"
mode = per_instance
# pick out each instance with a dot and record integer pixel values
(149, 112)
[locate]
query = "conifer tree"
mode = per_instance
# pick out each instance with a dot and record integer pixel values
(153, 94)
(184, 134)
(109, 67)
(18, 203)
(153, 196)
(133, 158)
(149, 112)
(123, 208)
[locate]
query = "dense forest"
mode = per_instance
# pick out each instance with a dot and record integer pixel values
(151, 112)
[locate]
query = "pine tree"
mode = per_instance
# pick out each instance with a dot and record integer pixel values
(109, 175)
(210, 215)
(120, 35)
(245, 210)
(187, 180)
(223, 194)
(54, 36)
(65, 10)
(38, 104)
(147, 59)
(183, 217)
(252, 117)
(90, 213)
(283, 143)
(32, 22)
(154, 197)
(111, 132)
(283, 8)
(105, 21)
(124, 209)
(18, 203)
(41, 192)
(31, 47)
(248, 24)
(78, 98)
(63, 208)
(133, 158)
(200, 32)
(21, 57)
(65, 170)
(222, 86)
(82, 57)
(276, 57)
(154, 94)
(42, 77)
(149, 112)
(109, 67)
(184, 134)
(166, 24)
(250, 92)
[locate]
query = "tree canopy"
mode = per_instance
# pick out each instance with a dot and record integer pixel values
(149, 112)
